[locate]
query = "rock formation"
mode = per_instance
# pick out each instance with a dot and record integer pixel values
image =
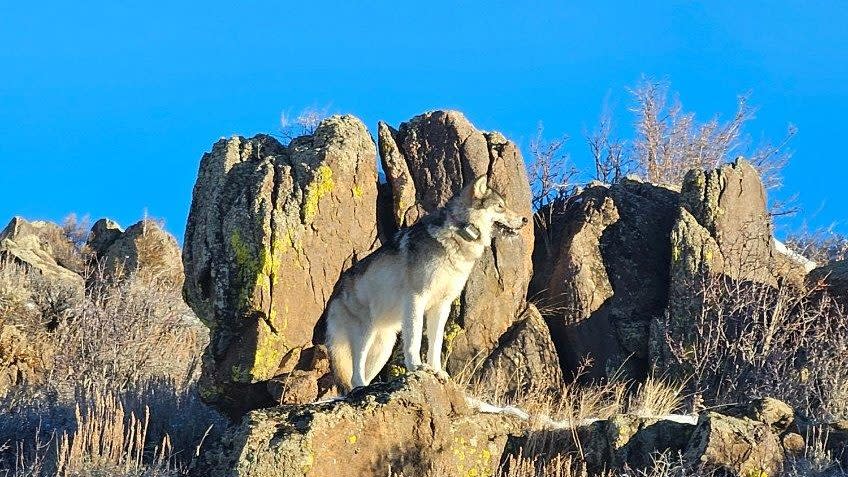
(270, 230)
(601, 273)
(427, 160)
(145, 249)
(42, 247)
(411, 426)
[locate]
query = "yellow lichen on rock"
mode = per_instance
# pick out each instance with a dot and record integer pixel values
(321, 185)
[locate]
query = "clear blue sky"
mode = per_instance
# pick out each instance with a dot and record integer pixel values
(106, 107)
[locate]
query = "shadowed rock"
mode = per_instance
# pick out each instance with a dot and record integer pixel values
(601, 273)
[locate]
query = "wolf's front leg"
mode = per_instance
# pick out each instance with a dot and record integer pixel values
(411, 331)
(437, 317)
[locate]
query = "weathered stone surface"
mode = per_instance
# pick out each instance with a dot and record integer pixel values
(738, 445)
(730, 203)
(144, 249)
(833, 277)
(778, 415)
(442, 152)
(103, 233)
(42, 247)
(524, 359)
(412, 426)
(601, 273)
(270, 230)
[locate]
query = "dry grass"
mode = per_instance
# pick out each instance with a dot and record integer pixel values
(118, 395)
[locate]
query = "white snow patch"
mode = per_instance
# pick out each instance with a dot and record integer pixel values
(794, 256)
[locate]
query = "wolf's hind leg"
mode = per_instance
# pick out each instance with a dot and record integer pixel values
(359, 348)
(380, 352)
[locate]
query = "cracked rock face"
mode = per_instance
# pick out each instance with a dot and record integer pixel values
(427, 160)
(413, 425)
(270, 230)
(601, 273)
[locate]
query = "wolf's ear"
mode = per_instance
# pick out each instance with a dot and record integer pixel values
(479, 187)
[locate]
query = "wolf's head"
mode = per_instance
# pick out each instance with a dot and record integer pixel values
(485, 210)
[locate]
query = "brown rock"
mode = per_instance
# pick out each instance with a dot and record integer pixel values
(601, 273)
(42, 247)
(775, 413)
(524, 359)
(793, 444)
(103, 233)
(411, 426)
(832, 277)
(738, 445)
(270, 230)
(145, 249)
(442, 152)
(730, 203)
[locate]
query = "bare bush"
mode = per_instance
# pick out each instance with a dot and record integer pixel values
(551, 171)
(751, 339)
(821, 246)
(306, 121)
(670, 141)
(612, 159)
(119, 396)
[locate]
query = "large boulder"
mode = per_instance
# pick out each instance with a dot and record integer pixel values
(427, 160)
(741, 446)
(42, 247)
(145, 249)
(722, 232)
(730, 203)
(414, 425)
(601, 273)
(832, 277)
(524, 360)
(270, 230)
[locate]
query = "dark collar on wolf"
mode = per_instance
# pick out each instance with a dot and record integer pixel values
(469, 232)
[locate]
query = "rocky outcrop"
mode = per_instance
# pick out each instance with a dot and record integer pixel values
(270, 230)
(739, 444)
(730, 203)
(145, 249)
(427, 160)
(722, 232)
(414, 425)
(42, 247)
(833, 278)
(524, 360)
(601, 273)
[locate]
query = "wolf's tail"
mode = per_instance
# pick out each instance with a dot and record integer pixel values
(341, 358)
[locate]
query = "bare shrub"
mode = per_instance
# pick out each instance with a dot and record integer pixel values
(670, 141)
(551, 171)
(821, 246)
(610, 155)
(752, 339)
(306, 121)
(119, 397)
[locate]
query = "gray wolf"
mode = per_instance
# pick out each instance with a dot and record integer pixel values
(411, 281)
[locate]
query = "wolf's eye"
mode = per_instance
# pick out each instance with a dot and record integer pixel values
(500, 206)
